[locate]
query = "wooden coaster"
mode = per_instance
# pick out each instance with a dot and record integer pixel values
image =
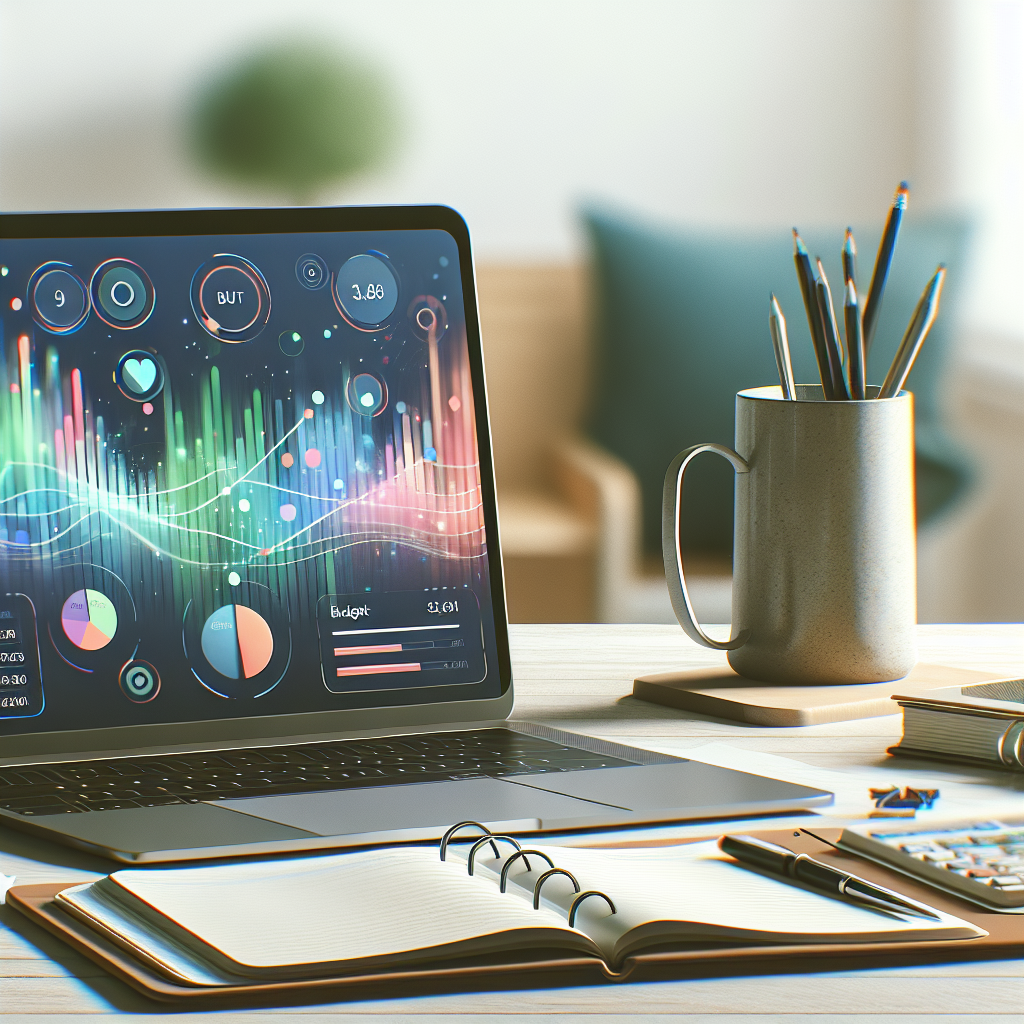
(724, 693)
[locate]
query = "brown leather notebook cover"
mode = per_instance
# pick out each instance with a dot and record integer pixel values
(493, 972)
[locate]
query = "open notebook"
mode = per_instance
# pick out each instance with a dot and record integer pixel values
(380, 909)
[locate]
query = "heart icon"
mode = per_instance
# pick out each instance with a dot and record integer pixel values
(139, 374)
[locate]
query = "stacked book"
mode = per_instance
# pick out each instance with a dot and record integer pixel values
(981, 723)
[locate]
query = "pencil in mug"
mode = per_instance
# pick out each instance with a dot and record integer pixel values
(833, 346)
(883, 263)
(780, 342)
(855, 355)
(805, 275)
(917, 330)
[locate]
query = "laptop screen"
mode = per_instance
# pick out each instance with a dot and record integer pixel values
(240, 471)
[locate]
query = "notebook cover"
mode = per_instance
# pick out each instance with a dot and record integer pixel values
(498, 972)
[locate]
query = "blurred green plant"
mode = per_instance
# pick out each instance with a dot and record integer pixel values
(295, 116)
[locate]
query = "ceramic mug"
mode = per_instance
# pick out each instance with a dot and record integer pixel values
(824, 553)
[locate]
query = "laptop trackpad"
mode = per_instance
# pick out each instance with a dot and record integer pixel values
(429, 806)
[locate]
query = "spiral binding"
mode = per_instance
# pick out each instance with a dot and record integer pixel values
(493, 839)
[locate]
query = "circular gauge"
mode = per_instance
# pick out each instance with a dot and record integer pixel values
(291, 343)
(428, 318)
(89, 619)
(139, 376)
(242, 647)
(311, 271)
(366, 291)
(122, 294)
(59, 298)
(230, 298)
(366, 394)
(92, 620)
(139, 681)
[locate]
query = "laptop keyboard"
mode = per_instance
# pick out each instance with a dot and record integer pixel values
(153, 781)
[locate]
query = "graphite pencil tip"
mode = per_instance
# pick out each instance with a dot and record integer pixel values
(799, 248)
(848, 243)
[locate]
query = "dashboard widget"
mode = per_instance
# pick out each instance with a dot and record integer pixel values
(311, 271)
(139, 376)
(21, 681)
(428, 317)
(139, 681)
(58, 297)
(366, 394)
(231, 298)
(291, 343)
(397, 640)
(366, 291)
(94, 628)
(238, 647)
(122, 294)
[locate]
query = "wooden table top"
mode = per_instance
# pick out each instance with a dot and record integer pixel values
(579, 677)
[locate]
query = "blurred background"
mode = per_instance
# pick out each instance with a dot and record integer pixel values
(630, 174)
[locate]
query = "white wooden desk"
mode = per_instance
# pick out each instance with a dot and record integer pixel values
(580, 678)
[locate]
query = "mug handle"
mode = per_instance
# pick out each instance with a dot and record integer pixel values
(671, 547)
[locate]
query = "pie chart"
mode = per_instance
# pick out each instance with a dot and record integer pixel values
(237, 641)
(89, 619)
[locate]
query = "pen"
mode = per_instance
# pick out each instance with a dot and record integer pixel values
(917, 330)
(780, 342)
(830, 331)
(883, 262)
(805, 275)
(854, 343)
(780, 861)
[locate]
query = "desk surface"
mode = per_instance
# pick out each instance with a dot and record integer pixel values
(580, 678)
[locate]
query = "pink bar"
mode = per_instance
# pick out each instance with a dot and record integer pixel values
(376, 670)
(370, 649)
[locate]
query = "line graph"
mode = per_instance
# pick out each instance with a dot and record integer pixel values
(304, 492)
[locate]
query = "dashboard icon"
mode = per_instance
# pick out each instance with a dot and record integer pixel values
(139, 681)
(366, 291)
(59, 298)
(230, 298)
(122, 294)
(311, 271)
(139, 376)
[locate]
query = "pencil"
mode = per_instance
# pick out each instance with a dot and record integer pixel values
(854, 343)
(917, 330)
(805, 275)
(856, 357)
(849, 259)
(780, 342)
(833, 346)
(883, 262)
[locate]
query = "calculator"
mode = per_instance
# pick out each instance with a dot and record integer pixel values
(982, 861)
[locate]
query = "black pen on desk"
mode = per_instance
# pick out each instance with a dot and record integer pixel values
(833, 346)
(883, 262)
(917, 330)
(805, 275)
(779, 861)
(780, 342)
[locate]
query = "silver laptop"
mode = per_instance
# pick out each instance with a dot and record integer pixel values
(250, 589)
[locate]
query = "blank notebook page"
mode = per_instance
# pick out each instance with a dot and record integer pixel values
(699, 883)
(326, 909)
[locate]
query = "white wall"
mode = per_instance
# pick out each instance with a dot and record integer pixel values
(717, 111)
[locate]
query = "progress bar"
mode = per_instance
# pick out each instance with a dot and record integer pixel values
(376, 670)
(393, 629)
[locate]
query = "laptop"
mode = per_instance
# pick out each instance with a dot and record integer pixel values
(250, 585)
